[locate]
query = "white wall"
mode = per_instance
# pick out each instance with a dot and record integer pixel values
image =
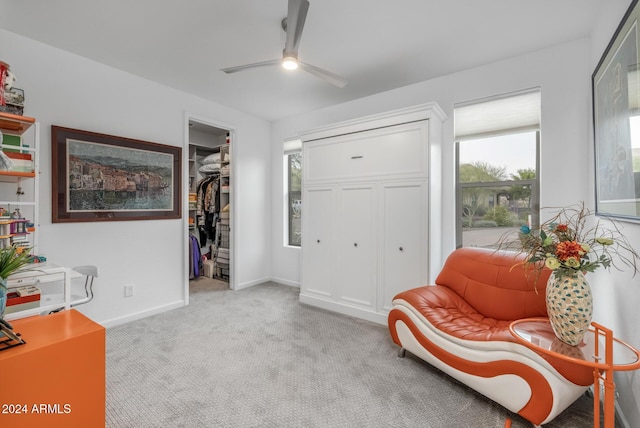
(68, 90)
(562, 73)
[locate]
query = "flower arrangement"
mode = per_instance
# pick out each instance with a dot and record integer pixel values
(568, 243)
(12, 259)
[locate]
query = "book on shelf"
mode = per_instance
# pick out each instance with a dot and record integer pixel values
(13, 298)
(20, 165)
(28, 290)
(22, 298)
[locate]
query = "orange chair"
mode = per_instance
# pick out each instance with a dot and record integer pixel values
(461, 326)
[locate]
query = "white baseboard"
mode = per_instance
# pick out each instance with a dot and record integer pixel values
(286, 282)
(270, 279)
(344, 308)
(240, 286)
(620, 419)
(142, 314)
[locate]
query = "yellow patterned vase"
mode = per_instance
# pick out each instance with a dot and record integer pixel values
(569, 306)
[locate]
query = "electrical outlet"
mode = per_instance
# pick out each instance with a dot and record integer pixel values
(128, 290)
(590, 392)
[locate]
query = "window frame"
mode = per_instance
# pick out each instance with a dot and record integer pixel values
(289, 210)
(535, 184)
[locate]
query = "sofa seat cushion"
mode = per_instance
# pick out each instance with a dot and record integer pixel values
(449, 313)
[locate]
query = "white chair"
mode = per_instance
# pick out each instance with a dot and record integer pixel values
(90, 272)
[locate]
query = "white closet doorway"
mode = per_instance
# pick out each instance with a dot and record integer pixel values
(208, 205)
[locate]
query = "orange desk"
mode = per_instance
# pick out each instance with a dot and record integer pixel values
(56, 379)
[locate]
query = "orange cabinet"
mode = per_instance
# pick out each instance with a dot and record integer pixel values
(56, 379)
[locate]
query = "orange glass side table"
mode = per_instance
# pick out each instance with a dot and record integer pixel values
(599, 350)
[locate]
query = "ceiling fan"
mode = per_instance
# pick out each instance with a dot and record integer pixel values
(293, 25)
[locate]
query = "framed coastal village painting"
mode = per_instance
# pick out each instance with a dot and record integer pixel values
(99, 177)
(616, 121)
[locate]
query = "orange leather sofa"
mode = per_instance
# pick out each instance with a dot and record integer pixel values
(461, 326)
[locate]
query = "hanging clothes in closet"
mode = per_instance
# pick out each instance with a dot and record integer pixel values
(195, 258)
(208, 207)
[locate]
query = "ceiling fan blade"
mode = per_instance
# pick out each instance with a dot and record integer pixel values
(334, 79)
(237, 68)
(296, 16)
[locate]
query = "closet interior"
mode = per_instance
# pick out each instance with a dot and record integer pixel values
(209, 202)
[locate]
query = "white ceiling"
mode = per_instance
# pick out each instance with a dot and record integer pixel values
(377, 45)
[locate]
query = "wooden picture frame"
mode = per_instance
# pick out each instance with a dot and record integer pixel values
(616, 122)
(99, 177)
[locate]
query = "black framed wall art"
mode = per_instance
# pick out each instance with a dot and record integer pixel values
(616, 120)
(99, 177)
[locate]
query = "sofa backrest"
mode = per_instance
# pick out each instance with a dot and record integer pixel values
(495, 283)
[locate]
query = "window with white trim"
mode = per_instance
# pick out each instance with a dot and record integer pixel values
(497, 167)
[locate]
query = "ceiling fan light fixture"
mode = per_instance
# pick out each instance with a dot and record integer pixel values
(292, 25)
(289, 62)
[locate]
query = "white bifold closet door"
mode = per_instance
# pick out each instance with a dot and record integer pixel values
(317, 232)
(365, 218)
(403, 246)
(356, 245)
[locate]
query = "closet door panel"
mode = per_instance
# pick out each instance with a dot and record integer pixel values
(403, 250)
(356, 243)
(386, 152)
(317, 248)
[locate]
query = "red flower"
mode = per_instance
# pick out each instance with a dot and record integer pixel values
(567, 249)
(562, 228)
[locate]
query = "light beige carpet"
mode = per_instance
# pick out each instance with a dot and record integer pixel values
(257, 357)
(203, 283)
